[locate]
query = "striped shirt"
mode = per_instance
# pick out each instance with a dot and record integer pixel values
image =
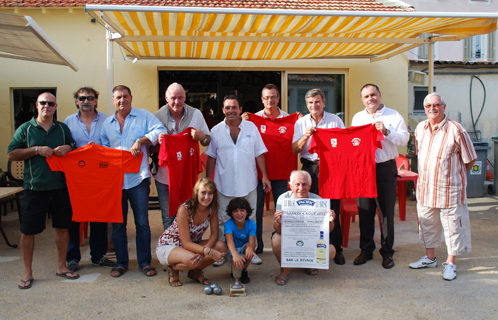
(442, 154)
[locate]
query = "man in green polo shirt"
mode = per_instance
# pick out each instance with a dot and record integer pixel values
(45, 190)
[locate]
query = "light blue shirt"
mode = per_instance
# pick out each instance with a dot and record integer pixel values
(79, 131)
(137, 124)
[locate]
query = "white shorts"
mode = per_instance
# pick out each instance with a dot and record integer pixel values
(454, 221)
(163, 253)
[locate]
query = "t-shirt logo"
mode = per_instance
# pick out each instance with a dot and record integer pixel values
(103, 165)
(263, 128)
(282, 130)
(356, 142)
(81, 164)
(179, 155)
(333, 143)
(192, 151)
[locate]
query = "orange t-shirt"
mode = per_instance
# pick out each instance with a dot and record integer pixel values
(94, 176)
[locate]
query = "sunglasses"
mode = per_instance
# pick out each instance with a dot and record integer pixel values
(50, 103)
(83, 98)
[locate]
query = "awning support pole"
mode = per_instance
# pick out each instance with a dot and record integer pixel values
(110, 70)
(431, 66)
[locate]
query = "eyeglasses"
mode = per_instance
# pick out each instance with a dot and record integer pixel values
(435, 105)
(83, 98)
(270, 98)
(50, 103)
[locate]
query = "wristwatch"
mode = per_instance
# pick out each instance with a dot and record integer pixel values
(387, 132)
(138, 140)
(205, 140)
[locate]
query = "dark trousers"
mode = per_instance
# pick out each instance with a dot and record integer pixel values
(385, 202)
(98, 241)
(335, 236)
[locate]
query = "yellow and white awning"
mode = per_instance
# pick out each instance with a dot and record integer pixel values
(22, 38)
(252, 34)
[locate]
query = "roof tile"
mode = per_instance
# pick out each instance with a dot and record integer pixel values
(342, 5)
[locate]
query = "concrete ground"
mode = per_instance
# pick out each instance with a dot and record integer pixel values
(346, 292)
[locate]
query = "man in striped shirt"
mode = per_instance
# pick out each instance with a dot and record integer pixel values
(445, 154)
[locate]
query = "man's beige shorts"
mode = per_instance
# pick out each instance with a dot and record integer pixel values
(454, 221)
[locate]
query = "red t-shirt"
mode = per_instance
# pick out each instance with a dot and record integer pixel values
(181, 154)
(94, 176)
(277, 135)
(347, 161)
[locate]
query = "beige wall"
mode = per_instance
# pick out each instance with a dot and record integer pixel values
(85, 44)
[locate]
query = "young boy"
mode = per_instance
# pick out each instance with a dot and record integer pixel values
(240, 235)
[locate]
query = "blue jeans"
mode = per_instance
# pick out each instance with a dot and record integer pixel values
(98, 242)
(163, 196)
(278, 187)
(139, 198)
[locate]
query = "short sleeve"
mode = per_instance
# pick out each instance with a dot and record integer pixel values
(55, 163)
(228, 226)
(252, 227)
(130, 163)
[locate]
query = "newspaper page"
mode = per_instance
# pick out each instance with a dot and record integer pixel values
(305, 233)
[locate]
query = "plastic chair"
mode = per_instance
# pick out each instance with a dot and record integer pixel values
(348, 211)
(402, 161)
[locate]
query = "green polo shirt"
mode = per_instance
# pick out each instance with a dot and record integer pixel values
(37, 173)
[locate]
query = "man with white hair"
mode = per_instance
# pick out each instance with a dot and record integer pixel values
(300, 184)
(445, 154)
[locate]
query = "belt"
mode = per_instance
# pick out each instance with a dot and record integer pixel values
(386, 162)
(308, 162)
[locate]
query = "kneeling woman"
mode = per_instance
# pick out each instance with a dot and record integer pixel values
(181, 247)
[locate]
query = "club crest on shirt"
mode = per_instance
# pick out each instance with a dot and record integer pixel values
(333, 142)
(81, 163)
(179, 155)
(282, 130)
(356, 141)
(192, 151)
(263, 128)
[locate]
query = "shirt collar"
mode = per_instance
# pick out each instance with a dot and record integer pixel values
(440, 126)
(184, 113)
(132, 113)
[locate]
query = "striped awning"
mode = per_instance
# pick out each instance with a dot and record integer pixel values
(252, 34)
(22, 38)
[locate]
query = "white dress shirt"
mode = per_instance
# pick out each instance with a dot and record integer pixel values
(394, 122)
(235, 172)
(328, 121)
(280, 115)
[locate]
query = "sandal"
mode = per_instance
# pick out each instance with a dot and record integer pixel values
(27, 283)
(283, 279)
(147, 269)
(196, 274)
(172, 273)
(311, 272)
(120, 271)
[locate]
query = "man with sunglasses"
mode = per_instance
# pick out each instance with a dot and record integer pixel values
(45, 191)
(445, 154)
(85, 126)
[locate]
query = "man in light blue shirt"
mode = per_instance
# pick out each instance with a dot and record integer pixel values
(85, 126)
(132, 129)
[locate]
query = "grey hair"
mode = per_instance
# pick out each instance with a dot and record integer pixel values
(434, 94)
(294, 173)
(175, 85)
(314, 92)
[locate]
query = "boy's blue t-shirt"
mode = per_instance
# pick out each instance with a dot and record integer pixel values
(240, 237)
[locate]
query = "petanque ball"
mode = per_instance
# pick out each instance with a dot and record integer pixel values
(217, 290)
(208, 290)
(213, 285)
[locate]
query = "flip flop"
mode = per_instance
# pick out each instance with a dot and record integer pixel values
(65, 275)
(283, 278)
(27, 283)
(311, 272)
(119, 270)
(146, 270)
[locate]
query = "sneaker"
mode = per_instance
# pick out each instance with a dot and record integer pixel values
(449, 272)
(244, 278)
(424, 262)
(256, 260)
(73, 265)
(104, 262)
(219, 263)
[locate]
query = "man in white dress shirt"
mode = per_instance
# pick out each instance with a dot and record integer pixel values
(236, 146)
(393, 127)
(303, 129)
